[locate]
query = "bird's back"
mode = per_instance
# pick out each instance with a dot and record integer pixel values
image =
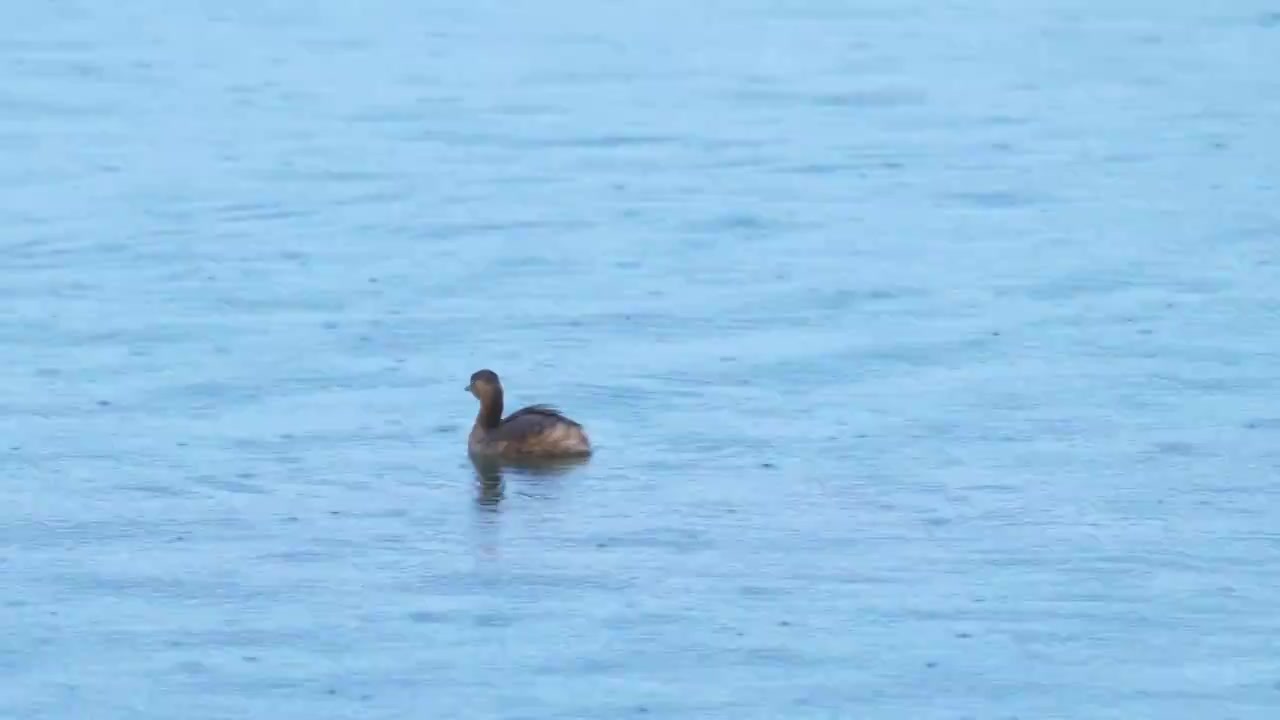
(534, 430)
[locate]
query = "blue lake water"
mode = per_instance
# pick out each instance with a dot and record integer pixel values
(930, 350)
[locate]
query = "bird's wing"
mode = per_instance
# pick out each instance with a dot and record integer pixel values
(528, 425)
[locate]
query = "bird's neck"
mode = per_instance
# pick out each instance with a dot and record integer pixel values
(490, 411)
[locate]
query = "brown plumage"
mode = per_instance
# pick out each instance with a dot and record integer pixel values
(534, 431)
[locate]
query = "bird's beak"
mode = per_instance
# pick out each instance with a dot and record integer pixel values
(467, 387)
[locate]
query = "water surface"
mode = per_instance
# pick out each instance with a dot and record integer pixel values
(930, 350)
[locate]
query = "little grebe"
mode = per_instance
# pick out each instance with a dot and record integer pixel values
(534, 431)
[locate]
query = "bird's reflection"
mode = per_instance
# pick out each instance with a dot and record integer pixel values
(492, 475)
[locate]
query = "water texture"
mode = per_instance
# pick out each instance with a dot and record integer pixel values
(930, 350)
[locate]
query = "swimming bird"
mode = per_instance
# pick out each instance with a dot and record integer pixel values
(537, 431)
